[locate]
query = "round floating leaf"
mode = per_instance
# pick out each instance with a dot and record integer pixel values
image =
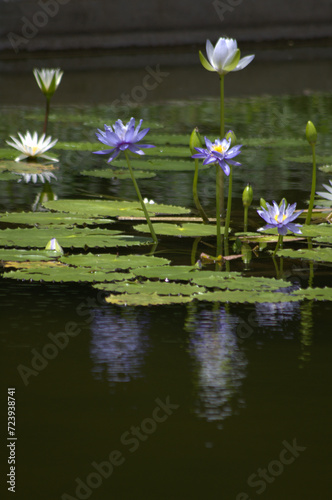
(186, 229)
(235, 282)
(117, 174)
(151, 287)
(145, 300)
(169, 139)
(315, 293)
(113, 262)
(8, 153)
(25, 167)
(58, 272)
(7, 176)
(157, 164)
(163, 150)
(272, 142)
(316, 254)
(240, 296)
(95, 208)
(171, 273)
(321, 232)
(68, 238)
(50, 219)
(308, 159)
(27, 255)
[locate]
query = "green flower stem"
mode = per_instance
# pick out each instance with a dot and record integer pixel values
(313, 185)
(311, 266)
(47, 112)
(278, 245)
(219, 247)
(194, 250)
(153, 234)
(222, 133)
(245, 225)
(196, 199)
(226, 254)
(229, 202)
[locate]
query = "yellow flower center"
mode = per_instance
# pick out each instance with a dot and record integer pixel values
(219, 148)
(34, 150)
(276, 217)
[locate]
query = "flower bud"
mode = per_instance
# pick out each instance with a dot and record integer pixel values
(230, 135)
(311, 133)
(54, 246)
(262, 203)
(195, 141)
(247, 195)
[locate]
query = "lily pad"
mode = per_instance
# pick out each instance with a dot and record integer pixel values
(151, 287)
(163, 150)
(177, 273)
(116, 174)
(235, 282)
(25, 167)
(308, 159)
(8, 154)
(272, 142)
(58, 272)
(315, 254)
(68, 238)
(315, 293)
(171, 273)
(8, 176)
(187, 229)
(95, 208)
(113, 262)
(240, 296)
(141, 299)
(156, 164)
(320, 232)
(50, 219)
(21, 255)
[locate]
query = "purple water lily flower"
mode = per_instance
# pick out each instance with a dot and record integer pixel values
(280, 217)
(218, 152)
(122, 137)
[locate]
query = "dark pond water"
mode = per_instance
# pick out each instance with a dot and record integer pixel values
(215, 401)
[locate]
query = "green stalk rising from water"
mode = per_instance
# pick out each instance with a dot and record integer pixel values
(311, 135)
(153, 234)
(220, 174)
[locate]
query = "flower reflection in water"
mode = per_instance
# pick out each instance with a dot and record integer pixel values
(119, 344)
(278, 317)
(220, 364)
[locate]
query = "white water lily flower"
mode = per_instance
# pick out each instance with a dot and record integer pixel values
(31, 147)
(327, 195)
(48, 80)
(224, 57)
